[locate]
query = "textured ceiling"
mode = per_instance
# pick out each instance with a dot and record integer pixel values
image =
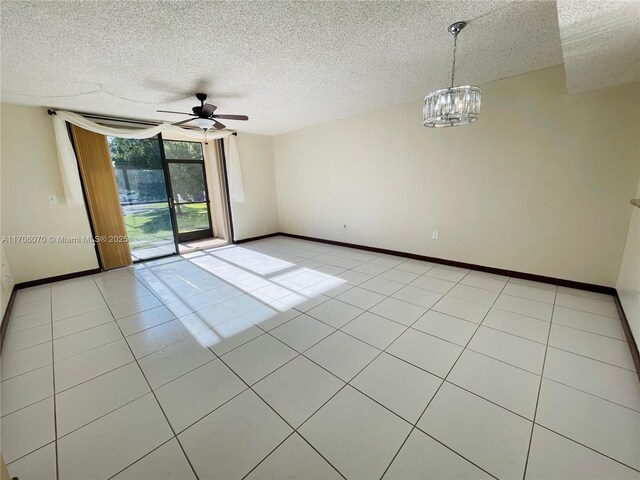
(287, 65)
(600, 43)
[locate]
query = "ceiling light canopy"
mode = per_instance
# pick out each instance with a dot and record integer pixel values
(453, 106)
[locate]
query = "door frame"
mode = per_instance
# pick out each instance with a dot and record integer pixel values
(197, 234)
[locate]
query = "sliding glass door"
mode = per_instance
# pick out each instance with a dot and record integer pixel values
(142, 188)
(188, 187)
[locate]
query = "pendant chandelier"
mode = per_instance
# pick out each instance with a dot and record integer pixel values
(453, 106)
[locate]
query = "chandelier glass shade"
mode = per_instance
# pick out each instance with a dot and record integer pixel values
(452, 106)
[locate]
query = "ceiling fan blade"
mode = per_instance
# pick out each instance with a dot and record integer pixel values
(183, 121)
(208, 109)
(169, 111)
(231, 117)
(218, 125)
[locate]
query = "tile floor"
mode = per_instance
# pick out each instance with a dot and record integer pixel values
(292, 359)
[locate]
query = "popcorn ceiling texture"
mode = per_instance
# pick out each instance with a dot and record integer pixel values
(600, 43)
(287, 65)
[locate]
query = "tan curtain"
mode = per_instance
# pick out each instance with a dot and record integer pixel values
(101, 191)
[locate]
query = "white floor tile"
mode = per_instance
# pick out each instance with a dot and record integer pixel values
(399, 311)
(473, 294)
(603, 380)
(446, 327)
(516, 351)
(77, 308)
(85, 366)
(358, 436)
(335, 313)
(370, 269)
(26, 389)
(516, 324)
(39, 465)
(374, 330)
(85, 340)
(529, 292)
(486, 281)
(451, 274)
(398, 385)
(553, 456)
(598, 347)
(302, 332)
(207, 318)
(464, 309)
(416, 266)
(18, 324)
(342, 355)
(156, 338)
(417, 296)
(532, 283)
(523, 306)
(498, 382)
(311, 303)
(27, 430)
(361, 298)
(31, 294)
(78, 323)
(590, 322)
(190, 397)
(131, 307)
(258, 358)
(293, 460)
(167, 462)
(425, 351)
(596, 423)
(31, 307)
(602, 305)
(433, 284)
(142, 320)
(190, 304)
(298, 389)
(104, 447)
(169, 363)
(25, 360)
(27, 338)
(268, 318)
(382, 286)
(232, 440)
(399, 276)
(489, 436)
(229, 335)
(90, 400)
(423, 457)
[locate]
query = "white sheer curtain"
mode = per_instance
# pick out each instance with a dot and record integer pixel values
(234, 172)
(67, 157)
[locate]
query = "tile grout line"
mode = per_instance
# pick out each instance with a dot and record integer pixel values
(53, 373)
(444, 380)
(158, 402)
(535, 412)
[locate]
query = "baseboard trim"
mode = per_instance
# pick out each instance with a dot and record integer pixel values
(253, 239)
(57, 278)
(633, 346)
(454, 263)
(6, 316)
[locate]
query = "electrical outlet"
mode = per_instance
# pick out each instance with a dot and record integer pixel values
(344, 226)
(435, 235)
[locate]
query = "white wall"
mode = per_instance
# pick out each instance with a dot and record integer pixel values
(258, 214)
(628, 284)
(29, 171)
(539, 184)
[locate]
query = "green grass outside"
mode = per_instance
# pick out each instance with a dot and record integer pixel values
(150, 225)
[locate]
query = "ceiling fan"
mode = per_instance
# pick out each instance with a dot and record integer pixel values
(203, 115)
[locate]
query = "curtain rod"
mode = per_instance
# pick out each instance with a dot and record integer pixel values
(128, 120)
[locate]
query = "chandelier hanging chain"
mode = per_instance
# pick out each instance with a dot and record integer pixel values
(453, 63)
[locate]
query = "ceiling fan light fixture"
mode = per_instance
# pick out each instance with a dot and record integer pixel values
(204, 123)
(452, 106)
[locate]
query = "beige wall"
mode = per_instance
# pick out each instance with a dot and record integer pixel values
(540, 184)
(628, 284)
(258, 214)
(29, 171)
